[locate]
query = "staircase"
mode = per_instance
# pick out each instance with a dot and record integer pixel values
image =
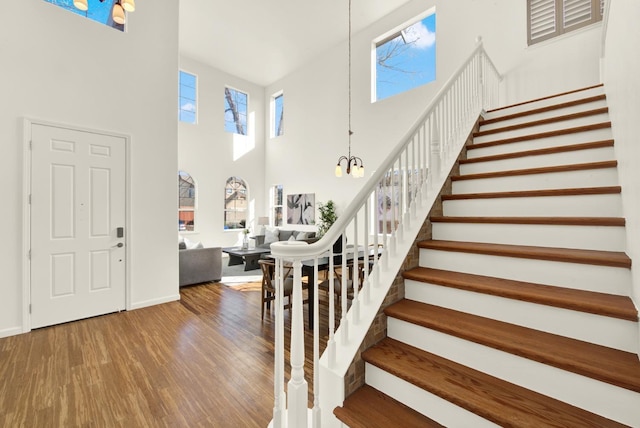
(518, 314)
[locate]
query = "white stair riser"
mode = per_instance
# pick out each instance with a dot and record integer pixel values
(606, 331)
(436, 408)
(542, 143)
(603, 279)
(546, 102)
(595, 396)
(604, 238)
(563, 158)
(547, 127)
(608, 205)
(553, 180)
(545, 115)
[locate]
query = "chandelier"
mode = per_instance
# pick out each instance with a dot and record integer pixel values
(117, 13)
(355, 167)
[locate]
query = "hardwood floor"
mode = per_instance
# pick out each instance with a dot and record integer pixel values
(206, 361)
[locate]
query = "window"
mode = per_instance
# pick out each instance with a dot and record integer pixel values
(235, 111)
(550, 18)
(187, 102)
(98, 10)
(235, 203)
(186, 202)
(277, 115)
(276, 205)
(405, 58)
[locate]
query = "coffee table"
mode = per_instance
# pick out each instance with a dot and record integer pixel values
(249, 257)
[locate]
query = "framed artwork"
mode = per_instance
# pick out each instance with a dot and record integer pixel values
(301, 208)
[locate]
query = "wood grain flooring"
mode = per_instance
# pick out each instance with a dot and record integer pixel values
(205, 361)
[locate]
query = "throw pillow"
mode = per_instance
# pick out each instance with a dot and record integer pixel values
(182, 245)
(291, 238)
(301, 236)
(271, 235)
(192, 244)
(285, 234)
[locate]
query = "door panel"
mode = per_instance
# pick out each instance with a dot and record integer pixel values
(77, 204)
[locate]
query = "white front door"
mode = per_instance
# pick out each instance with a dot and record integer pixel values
(77, 224)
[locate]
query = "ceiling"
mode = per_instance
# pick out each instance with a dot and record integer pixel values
(264, 40)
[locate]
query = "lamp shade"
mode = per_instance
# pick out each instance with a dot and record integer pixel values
(81, 5)
(338, 171)
(262, 221)
(129, 5)
(118, 14)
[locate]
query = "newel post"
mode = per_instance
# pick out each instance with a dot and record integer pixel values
(297, 391)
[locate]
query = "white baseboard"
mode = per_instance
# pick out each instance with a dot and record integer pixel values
(13, 331)
(153, 302)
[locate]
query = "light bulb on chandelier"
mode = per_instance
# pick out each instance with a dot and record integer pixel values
(355, 167)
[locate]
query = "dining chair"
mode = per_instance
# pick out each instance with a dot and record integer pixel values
(268, 267)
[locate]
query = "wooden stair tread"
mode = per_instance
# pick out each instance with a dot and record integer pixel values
(539, 135)
(496, 400)
(606, 190)
(586, 88)
(568, 255)
(605, 364)
(609, 305)
(545, 121)
(539, 152)
(543, 109)
(562, 221)
(369, 408)
(538, 170)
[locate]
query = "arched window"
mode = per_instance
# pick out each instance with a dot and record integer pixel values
(186, 202)
(236, 200)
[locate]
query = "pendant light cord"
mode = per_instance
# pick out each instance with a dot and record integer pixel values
(349, 77)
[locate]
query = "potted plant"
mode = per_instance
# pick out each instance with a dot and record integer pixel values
(328, 216)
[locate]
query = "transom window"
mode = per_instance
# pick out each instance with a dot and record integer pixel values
(235, 111)
(236, 200)
(405, 59)
(188, 94)
(277, 114)
(551, 18)
(186, 202)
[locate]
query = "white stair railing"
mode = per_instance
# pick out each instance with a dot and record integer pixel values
(374, 229)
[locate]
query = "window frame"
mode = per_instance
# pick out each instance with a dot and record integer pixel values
(390, 36)
(596, 10)
(180, 97)
(276, 211)
(187, 209)
(246, 112)
(277, 128)
(235, 209)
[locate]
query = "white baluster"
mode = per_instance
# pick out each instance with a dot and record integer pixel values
(355, 305)
(279, 394)
(343, 291)
(316, 413)
(297, 388)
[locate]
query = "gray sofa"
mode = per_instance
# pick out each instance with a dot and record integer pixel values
(200, 265)
(285, 235)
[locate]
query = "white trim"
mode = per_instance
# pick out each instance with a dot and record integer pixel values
(26, 211)
(13, 331)
(153, 302)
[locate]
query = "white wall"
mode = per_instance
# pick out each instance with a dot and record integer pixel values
(211, 155)
(315, 96)
(621, 69)
(61, 67)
